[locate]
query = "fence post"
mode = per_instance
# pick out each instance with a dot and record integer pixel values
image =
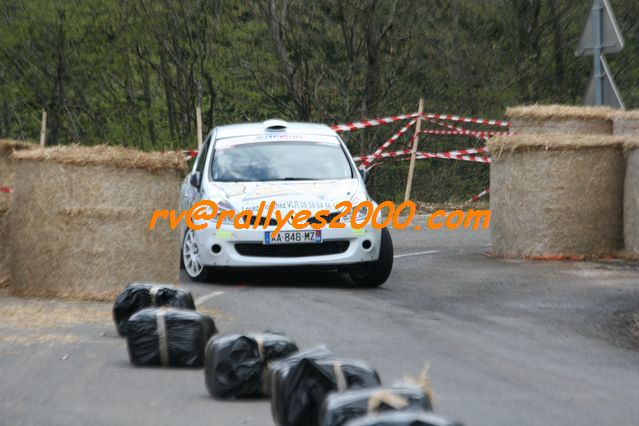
(43, 128)
(198, 120)
(411, 167)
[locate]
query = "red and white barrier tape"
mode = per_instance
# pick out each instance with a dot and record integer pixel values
(448, 154)
(390, 141)
(439, 123)
(478, 196)
(441, 155)
(477, 134)
(6, 190)
(368, 158)
(473, 120)
(363, 124)
(357, 125)
(448, 126)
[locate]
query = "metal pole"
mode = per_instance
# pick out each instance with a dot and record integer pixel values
(411, 167)
(597, 16)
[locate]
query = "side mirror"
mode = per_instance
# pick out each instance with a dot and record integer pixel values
(195, 179)
(364, 174)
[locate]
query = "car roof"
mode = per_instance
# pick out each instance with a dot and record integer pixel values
(269, 126)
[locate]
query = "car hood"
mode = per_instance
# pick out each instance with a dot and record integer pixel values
(293, 195)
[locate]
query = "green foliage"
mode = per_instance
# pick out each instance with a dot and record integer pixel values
(131, 73)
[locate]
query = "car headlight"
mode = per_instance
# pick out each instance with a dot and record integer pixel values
(224, 206)
(228, 220)
(361, 215)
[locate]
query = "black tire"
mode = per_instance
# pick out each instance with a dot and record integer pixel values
(374, 274)
(203, 277)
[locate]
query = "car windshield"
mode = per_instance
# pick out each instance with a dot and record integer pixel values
(288, 160)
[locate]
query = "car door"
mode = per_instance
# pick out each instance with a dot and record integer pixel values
(192, 193)
(200, 168)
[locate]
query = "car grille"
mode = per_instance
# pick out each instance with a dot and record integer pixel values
(328, 217)
(292, 250)
(272, 222)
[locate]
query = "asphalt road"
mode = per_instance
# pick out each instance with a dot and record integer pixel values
(509, 342)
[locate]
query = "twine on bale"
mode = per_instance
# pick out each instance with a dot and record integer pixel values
(267, 364)
(385, 397)
(340, 379)
(424, 382)
(163, 345)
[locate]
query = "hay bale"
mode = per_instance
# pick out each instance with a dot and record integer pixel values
(7, 172)
(5, 252)
(626, 123)
(80, 220)
(631, 200)
(556, 195)
(7, 167)
(535, 119)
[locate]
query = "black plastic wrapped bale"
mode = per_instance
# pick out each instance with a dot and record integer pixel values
(341, 407)
(169, 337)
(301, 382)
(235, 365)
(403, 418)
(138, 296)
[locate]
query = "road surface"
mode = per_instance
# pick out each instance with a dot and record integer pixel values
(509, 342)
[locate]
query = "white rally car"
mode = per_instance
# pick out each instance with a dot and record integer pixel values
(298, 166)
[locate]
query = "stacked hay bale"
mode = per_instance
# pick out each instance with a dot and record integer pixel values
(7, 171)
(537, 119)
(80, 220)
(5, 252)
(7, 167)
(626, 124)
(556, 194)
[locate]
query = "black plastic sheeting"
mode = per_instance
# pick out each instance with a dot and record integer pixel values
(235, 365)
(170, 337)
(339, 408)
(403, 418)
(300, 383)
(144, 295)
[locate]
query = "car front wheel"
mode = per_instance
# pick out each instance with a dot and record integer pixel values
(191, 258)
(375, 273)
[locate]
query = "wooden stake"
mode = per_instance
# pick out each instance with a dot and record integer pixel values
(43, 128)
(411, 167)
(198, 120)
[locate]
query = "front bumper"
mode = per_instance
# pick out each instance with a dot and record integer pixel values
(226, 254)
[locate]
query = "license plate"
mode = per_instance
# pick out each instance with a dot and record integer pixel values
(293, 237)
